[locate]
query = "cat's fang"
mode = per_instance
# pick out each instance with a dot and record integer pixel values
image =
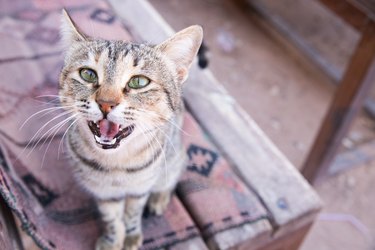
(97, 139)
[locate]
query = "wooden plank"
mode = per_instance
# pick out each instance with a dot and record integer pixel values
(191, 244)
(351, 11)
(254, 235)
(348, 99)
(289, 199)
(291, 241)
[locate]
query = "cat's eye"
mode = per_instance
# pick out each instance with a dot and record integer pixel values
(88, 75)
(137, 82)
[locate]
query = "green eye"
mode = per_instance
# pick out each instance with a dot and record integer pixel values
(138, 82)
(88, 75)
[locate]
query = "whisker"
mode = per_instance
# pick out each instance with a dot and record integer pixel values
(62, 138)
(150, 139)
(147, 112)
(51, 99)
(53, 136)
(31, 142)
(40, 129)
(167, 137)
(50, 110)
(163, 152)
(58, 96)
(51, 129)
(51, 102)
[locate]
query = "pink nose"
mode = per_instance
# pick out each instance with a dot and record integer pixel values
(106, 106)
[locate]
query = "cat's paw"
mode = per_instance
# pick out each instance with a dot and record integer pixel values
(133, 242)
(105, 243)
(158, 202)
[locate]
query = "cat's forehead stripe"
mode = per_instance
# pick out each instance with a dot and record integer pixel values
(135, 61)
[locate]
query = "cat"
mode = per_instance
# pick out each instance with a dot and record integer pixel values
(125, 144)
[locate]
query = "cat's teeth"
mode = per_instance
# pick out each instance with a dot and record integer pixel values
(97, 138)
(104, 141)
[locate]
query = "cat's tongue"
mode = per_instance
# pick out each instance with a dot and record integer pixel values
(108, 129)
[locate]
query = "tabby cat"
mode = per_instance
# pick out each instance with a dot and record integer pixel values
(125, 144)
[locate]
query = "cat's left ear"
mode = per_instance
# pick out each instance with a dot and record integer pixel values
(70, 33)
(182, 48)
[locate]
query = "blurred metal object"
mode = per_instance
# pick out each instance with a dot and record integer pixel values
(202, 56)
(225, 40)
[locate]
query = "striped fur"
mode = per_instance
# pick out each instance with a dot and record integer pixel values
(149, 160)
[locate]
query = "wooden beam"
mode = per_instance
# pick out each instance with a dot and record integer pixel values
(353, 12)
(348, 99)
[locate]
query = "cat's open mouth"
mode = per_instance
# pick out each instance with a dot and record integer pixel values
(109, 134)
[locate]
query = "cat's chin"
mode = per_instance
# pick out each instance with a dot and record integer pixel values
(109, 142)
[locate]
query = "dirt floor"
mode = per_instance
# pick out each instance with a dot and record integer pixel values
(287, 96)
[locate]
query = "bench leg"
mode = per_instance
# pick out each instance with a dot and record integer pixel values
(348, 99)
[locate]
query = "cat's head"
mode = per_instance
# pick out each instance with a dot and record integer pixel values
(119, 89)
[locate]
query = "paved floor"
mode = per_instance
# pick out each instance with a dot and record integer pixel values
(288, 96)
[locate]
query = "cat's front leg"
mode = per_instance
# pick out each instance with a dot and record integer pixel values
(133, 221)
(114, 232)
(158, 202)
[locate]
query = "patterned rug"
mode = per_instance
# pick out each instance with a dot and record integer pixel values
(35, 180)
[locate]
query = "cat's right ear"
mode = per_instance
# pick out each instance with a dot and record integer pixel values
(70, 33)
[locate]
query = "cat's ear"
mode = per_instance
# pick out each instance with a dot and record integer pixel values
(182, 48)
(70, 33)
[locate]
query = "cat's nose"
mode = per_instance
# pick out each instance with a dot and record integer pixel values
(106, 106)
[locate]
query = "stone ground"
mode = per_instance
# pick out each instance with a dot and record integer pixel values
(288, 96)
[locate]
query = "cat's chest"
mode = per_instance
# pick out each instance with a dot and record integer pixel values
(115, 181)
(117, 184)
